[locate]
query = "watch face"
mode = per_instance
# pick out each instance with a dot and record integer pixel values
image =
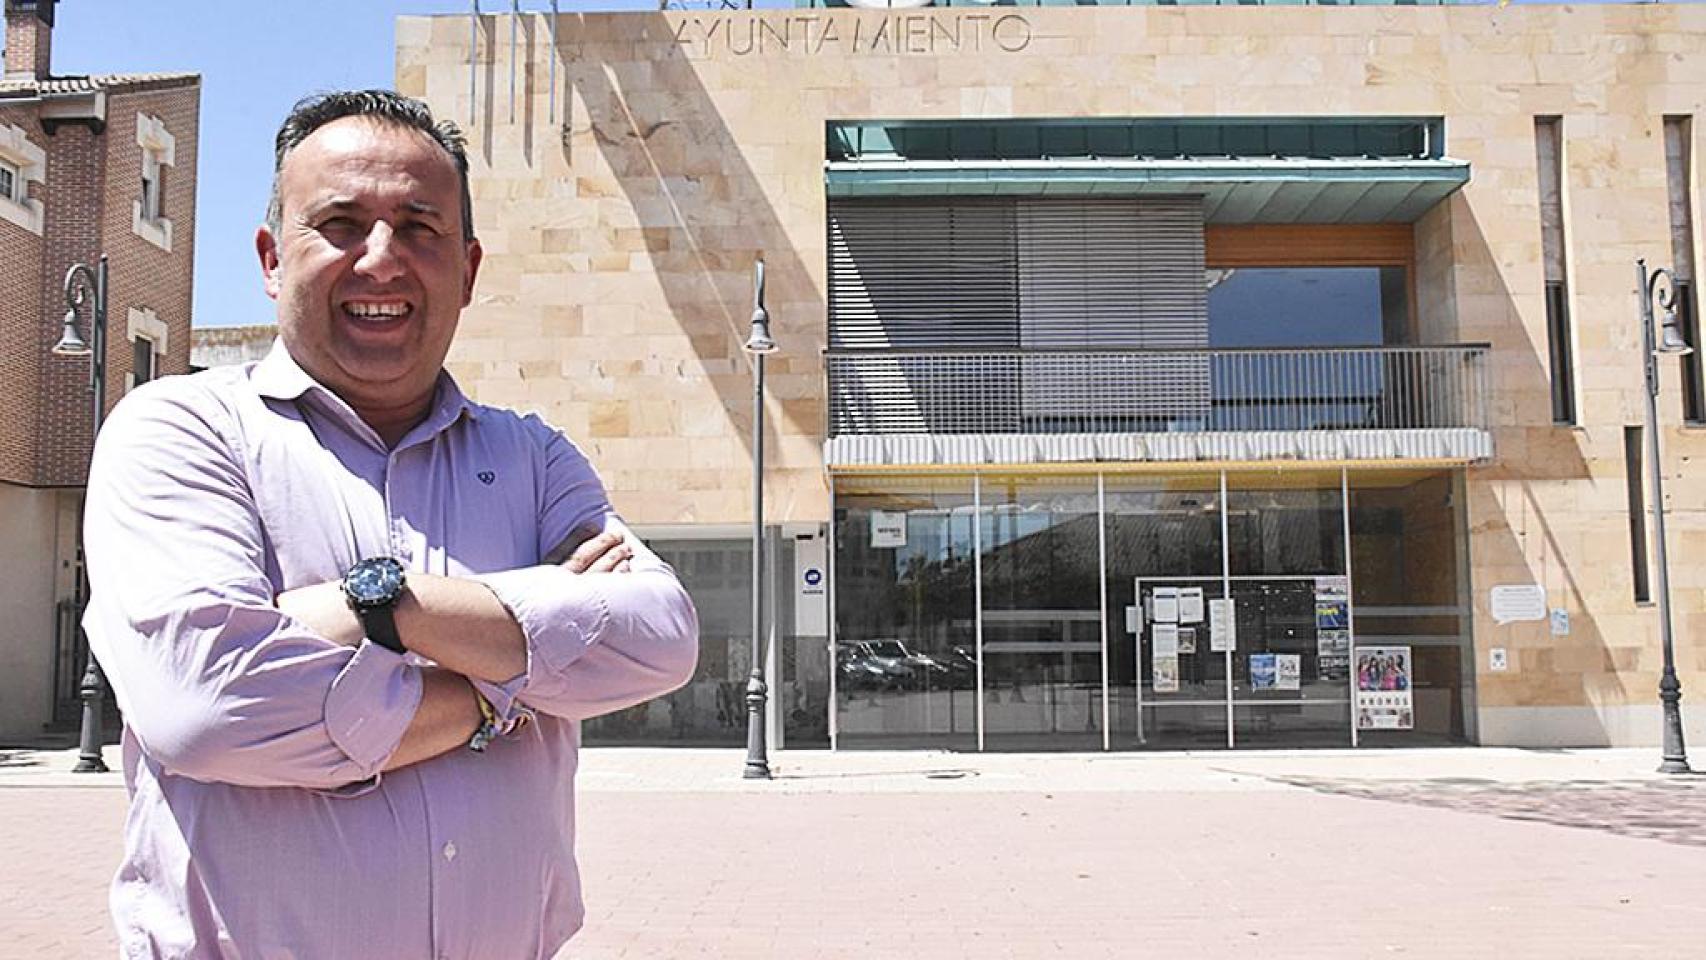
(374, 581)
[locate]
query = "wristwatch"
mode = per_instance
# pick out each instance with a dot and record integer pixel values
(373, 588)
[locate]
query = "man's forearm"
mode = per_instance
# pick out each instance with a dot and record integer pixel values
(458, 624)
(447, 717)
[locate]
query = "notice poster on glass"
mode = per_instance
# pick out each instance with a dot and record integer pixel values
(1383, 696)
(1166, 604)
(888, 529)
(1222, 626)
(1190, 604)
(1288, 671)
(1333, 667)
(1166, 640)
(1164, 674)
(1187, 640)
(1332, 643)
(1331, 612)
(1263, 671)
(1332, 586)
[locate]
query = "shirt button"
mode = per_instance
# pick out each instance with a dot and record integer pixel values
(450, 851)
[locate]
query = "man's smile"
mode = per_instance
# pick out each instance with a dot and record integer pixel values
(377, 315)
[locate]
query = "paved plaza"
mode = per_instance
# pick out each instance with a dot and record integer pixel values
(1436, 853)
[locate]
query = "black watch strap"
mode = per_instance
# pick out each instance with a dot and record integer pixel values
(380, 625)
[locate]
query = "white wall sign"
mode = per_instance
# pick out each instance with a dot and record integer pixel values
(1498, 660)
(811, 587)
(1514, 603)
(888, 529)
(1560, 622)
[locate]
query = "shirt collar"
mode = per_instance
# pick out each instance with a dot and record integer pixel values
(279, 377)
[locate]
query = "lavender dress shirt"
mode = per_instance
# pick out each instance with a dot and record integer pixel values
(260, 825)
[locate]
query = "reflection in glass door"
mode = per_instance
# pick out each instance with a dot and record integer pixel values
(906, 663)
(1041, 614)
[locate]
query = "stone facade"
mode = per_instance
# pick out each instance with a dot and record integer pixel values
(621, 214)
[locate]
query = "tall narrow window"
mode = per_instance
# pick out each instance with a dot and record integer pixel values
(11, 183)
(1549, 150)
(151, 190)
(1633, 472)
(142, 360)
(1679, 163)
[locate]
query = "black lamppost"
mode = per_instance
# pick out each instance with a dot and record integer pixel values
(83, 283)
(758, 344)
(1648, 289)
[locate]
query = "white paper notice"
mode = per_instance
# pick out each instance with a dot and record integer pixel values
(888, 529)
(1517, 602)
(1133, 624)
(1222, 626)
(1164, 674)
(1288, 671)
(1166, 604)
(1166, 640)
(1190, 605)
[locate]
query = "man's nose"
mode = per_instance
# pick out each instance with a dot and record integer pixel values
(380, 258)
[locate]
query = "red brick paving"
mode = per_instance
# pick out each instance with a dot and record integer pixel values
(1268, 873)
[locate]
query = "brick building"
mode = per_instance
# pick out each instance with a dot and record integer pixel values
(88, 165)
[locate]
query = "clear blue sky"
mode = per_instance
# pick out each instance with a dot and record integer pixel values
(256, 59)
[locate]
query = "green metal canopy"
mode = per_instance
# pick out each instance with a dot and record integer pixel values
(1234, 191)
(1248, 170)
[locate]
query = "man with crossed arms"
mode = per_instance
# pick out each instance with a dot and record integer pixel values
(326, 588)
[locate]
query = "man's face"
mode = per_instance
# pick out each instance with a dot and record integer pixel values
(369, 267)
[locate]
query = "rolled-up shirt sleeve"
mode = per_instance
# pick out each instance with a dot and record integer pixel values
(215, 682)
(596, 642)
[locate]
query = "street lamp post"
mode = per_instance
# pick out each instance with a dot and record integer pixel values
(83, 283)
(1660, 285)
(758, 344)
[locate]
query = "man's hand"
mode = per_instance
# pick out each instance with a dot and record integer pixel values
(607, 552)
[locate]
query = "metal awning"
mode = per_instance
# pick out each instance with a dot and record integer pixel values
(1460, 445)
(1234, 190)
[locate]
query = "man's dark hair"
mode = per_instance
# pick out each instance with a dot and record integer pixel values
(382, 106)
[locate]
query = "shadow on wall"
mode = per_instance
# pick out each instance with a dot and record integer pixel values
(1512, 539)
(703, 214)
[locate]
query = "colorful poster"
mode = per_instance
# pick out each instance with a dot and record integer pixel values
(1262, 671)
(1187, 640)
(1166, 640)
(1165, 674)
(1332, 643)
(1331, 612)
(1222, 626)
(1190, 604)
(1384, 700)
(1288, 671)
(1166, 604)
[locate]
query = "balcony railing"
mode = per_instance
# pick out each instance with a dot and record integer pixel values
(1156, 391)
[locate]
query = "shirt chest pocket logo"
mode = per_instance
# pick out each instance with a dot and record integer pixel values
(486, 477)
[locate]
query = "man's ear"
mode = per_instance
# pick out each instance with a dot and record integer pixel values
(475, 254)
(266, 245)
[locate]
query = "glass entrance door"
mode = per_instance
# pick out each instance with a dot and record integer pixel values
(1041, 614)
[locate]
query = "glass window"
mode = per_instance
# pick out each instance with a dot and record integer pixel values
(711, 709)
(141, 360)
(1042, 614)
(1307, 306)
(905, 614)
(1408, 545)
(11, 182)
(151, 189)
